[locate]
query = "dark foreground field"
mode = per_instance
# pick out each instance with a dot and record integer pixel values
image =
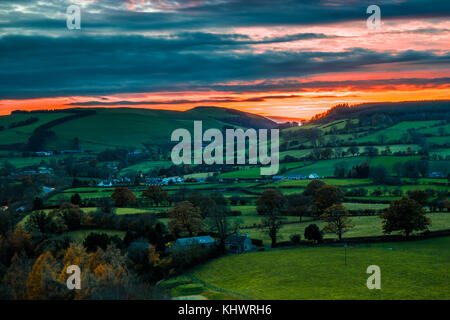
(409, 270)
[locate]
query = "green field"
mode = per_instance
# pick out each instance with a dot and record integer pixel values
(389, 161)
(80, 235)
(146, 166)
(396, 131)
(409, 270)
(255, 172)
(21, 134)
(126, 127)
(364, 226)
(325, 168)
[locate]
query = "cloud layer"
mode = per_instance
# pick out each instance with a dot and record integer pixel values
(271, 58)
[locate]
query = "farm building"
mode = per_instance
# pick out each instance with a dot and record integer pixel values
(45, 170)
(46, 190)
(238, 243)
(313, 176)
(204, 241)
(297, 177)
(172, 180)
(105, 183)
(153, 182)
(43, 153)
(436, 175)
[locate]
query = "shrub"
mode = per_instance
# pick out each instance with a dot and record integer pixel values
(257, 242)
(295, 238)
(96, 240)
(234, 213)
(312, 232)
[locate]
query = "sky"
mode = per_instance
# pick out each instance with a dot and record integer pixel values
(282, 58)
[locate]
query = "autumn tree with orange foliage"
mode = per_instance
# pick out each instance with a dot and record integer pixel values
(42, 283)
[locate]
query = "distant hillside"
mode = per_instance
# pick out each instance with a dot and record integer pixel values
(99, 128)
(286, 119)
(398, 111)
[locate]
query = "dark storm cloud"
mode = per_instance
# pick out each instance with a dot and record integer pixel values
(46, 67)
(113, 14)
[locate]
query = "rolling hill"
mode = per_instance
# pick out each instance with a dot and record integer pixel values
(101, 128)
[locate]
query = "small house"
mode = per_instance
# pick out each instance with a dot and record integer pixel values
(105, 183)
(172, 180)
(238, 243)
(313, 176)
(43, 153)
(203, 241)
(44, 170)
(46, 190)
(20, 209)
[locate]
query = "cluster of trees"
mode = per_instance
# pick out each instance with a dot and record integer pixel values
(201, 213)
(318, 199)
(34, 255)
(405, 215)
(124, 157)
(193, 213)
(413, 169)
(325, 202)
(23, 189)
(371, 114)
(106, 273)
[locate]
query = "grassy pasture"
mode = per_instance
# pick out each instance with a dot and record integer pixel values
(20, 162)
(364, 226)
(440, 166)
(334, 182)
(80, 235)
(295, 153)
(409, 270)
(128, 127)
(396, 131)
(21, 134)
(325, 168)
(441, 152)
(435, 130)
(255, 173)
(389, 161)
(146, 166)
